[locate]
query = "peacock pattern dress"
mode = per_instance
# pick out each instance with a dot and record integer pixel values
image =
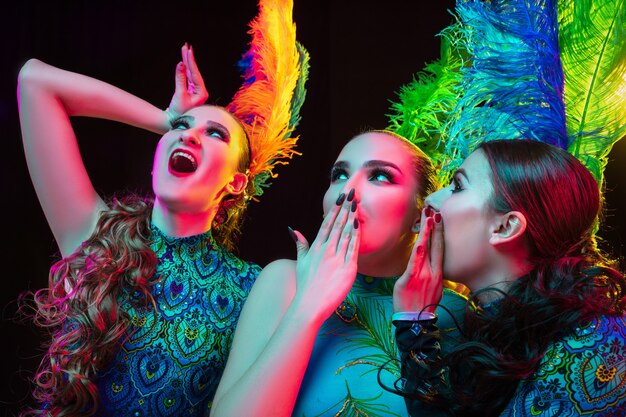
(583, 374)
(350, 348)
(171, 362)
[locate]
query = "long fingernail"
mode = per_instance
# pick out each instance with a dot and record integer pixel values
(292, 234)
(351, 195)
(353, 208)
(437, 217)
(428, 212)
(342, 197)
(356, 223)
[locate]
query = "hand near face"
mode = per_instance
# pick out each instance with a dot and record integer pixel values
(421, 287)
(190, 90)
(326, 270)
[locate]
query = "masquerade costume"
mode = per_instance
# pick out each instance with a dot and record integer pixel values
(172, 361)
(550, 72)
(172, 355)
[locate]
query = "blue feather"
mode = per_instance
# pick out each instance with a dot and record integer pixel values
(514, 85)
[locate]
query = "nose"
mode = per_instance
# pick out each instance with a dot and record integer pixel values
(436, 199)
(353, 185)
(189, 140)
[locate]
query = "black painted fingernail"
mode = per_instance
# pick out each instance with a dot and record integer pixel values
(292, 234)
(356, 223)
(342, 197)
(351, 195)
(353, 208)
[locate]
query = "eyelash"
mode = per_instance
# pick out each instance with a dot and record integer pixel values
(179, 122)
(385, 173)
(211, 130)
(457, 186)
(336, 173)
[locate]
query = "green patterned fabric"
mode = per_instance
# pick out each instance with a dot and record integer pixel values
(583, 374)
(351, 346)
(171, 362)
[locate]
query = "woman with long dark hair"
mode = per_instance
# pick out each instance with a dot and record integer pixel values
(143, 304)
(545, 334)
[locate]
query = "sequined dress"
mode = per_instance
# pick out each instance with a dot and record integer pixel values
(351, 346)
(171, 365)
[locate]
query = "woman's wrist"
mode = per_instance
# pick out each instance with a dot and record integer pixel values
(305, 313)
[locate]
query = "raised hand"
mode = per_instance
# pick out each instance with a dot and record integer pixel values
(190, 90)
(326, 270)
(420, 288)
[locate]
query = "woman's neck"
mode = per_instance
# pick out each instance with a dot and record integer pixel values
(500, 274)
(180, 224)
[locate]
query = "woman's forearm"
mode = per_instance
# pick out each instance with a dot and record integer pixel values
(270, 386)
(47, 97)
(81, 95)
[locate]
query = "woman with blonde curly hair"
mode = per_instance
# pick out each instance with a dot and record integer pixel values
(142, 306)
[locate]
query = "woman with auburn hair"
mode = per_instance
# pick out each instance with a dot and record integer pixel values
(545, 335)
(315, 331)
(142, 307)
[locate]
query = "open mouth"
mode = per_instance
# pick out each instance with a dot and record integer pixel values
(182, 162)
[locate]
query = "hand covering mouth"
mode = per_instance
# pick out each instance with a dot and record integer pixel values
(182, 161)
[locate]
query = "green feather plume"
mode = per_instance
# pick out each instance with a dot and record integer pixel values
(592, 39)
(299, 93)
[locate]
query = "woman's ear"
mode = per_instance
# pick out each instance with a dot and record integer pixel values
(508, 228)
(238, 184)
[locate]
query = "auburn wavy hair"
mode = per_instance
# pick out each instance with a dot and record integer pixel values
(80, 308)
(572, 281)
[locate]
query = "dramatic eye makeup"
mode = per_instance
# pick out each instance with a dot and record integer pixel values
(181, 123)
(383, 171)
(217, 130)
(377, 171)
(457, 180)
(339, 171)
(213, 128)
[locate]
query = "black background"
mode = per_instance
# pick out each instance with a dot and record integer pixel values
(362, 51)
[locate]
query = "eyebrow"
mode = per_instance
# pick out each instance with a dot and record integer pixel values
(374, 163)
(462, 172)
(220, 127)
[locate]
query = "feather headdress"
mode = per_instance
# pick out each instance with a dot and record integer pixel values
(511, 83)
(275, 69)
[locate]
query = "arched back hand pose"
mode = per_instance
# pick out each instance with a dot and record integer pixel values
(546, 336)
(142, 307)
(314, 312)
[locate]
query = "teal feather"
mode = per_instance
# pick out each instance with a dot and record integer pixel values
(592, 37)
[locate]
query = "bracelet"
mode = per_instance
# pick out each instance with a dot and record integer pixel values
(413, 316)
